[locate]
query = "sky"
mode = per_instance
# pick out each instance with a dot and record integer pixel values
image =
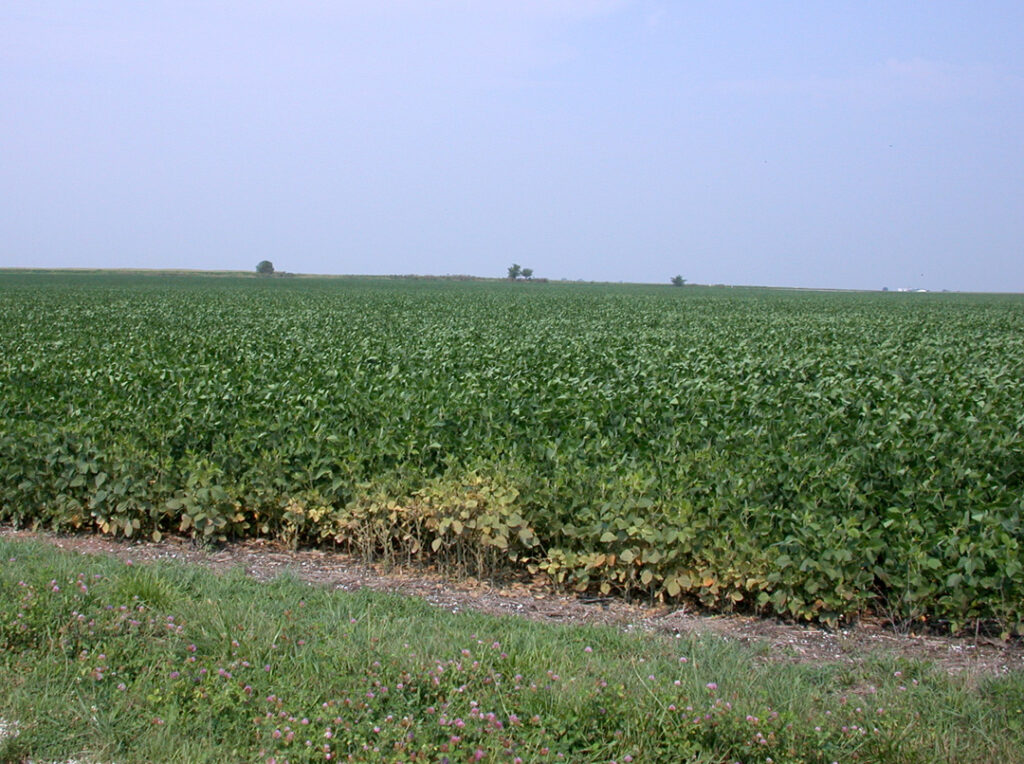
(852, 145)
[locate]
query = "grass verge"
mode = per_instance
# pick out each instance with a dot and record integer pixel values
(104, 661)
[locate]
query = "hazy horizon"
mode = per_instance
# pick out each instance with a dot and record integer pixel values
(850, 146)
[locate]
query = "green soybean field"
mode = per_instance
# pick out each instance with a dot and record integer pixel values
(815, 455)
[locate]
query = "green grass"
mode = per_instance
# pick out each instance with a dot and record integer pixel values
(105, 661)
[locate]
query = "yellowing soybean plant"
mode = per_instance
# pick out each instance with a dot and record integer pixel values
(810, 454)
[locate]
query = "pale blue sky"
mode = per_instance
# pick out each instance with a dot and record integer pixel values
(840, 144)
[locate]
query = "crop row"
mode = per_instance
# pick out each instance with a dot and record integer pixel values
(814, 455)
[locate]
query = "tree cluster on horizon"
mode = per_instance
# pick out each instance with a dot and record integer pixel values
(515, 272)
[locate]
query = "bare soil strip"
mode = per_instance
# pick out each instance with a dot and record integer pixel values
(776, 640)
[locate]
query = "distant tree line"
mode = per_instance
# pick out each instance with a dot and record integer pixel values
(515, 272)
(266, 268)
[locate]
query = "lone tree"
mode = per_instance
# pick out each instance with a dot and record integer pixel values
(265, 267)
(514, 271)
(527, 273)
(678, 281)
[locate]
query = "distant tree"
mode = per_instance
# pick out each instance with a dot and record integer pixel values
(265, 267)
(678, 281)
(514, 271)
(527, 273)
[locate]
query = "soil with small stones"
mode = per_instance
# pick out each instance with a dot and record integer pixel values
(774, 640)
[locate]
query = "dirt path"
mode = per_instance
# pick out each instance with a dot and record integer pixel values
(778, 641)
